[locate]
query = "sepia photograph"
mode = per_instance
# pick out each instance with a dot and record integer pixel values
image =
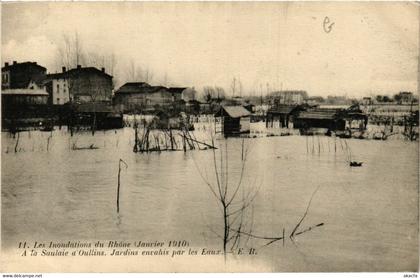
(209, 137)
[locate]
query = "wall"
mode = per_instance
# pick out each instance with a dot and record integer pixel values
(60, 91)
(90, 87)
(140, 101)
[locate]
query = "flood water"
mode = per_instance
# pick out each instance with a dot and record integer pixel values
(370, 213)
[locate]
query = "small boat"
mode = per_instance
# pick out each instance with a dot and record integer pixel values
(355, 164)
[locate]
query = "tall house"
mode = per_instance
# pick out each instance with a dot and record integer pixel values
(80, 85)
(21, 75)
(89, 84)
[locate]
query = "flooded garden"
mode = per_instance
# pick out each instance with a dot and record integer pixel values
(58, 187)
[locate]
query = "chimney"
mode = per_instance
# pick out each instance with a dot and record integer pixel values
(103, 69)
(63, 69)
(79, 66)
(6, 64)
(14, 62)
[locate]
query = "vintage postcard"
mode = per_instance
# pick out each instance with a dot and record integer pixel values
(209, 137)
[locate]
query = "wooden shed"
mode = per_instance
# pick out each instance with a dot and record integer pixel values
(283, 114)
(235, 120)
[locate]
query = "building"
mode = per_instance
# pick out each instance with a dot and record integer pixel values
(141, 96)
(288, 97)
(193, 107)
(15, 97)
(79, 85)
(320, 118)
(185, 93)
(332, 119)
(235, 120)
(367, 101)
(20, 75)
(282, 115)
(314, 100)
(406, 97)
(96, 115)
(89, 84)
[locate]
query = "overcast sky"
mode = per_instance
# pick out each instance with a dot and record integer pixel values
(372, 48)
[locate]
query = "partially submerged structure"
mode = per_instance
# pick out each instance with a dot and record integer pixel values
(234, 120)
(282, 115)
(320, 118)
(145, 98)
(24, 108)
(332, 119)
(98, 115)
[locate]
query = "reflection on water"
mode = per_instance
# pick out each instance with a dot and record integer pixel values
(370, 213)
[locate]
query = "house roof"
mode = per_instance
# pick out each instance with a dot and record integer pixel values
(282, 109)
(24, 64)
(319, 114)
(177, 90)
(24, 92)
(235, 111)
(76, 72)
(138, 88)
(50, 76)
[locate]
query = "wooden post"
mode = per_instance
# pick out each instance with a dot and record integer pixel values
(118, 187)
(135, 149)
(242, 150)
(283, 236)
(17, 142)
(171, 138)
(184, 143)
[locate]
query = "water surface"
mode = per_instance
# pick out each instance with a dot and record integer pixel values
(370, 213)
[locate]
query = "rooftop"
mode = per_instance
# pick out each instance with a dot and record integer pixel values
(138, 88)
(78, 71)
(234, 111)
(177, 90)
(319, 114)
(282, 109)
(22, 65)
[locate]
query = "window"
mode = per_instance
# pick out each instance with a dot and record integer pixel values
(5, 78)
(58, 100)
(58, 87)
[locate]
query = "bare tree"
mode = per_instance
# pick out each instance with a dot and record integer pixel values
(219, 92)
(235, 200)
(210, 93)
(107, 61)
(232, 199)
(233, 86)
(134, 73)
(70, 52)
